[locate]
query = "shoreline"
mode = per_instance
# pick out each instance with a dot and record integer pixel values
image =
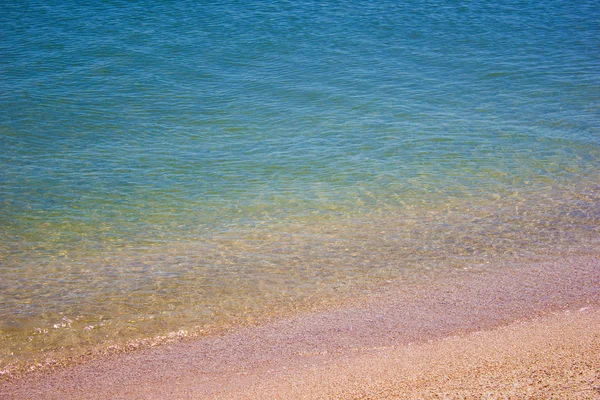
(335, 343)
(554, 355)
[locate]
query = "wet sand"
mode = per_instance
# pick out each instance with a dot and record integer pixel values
(557, 356)
(505, 331)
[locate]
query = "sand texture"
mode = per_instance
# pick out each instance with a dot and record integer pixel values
(553, 357)
(527, 331)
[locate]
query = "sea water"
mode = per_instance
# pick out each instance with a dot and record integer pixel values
(172, 167)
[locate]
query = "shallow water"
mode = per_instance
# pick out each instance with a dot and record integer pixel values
(176, 168)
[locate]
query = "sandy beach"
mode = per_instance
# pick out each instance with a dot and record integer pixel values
(527, 330)
(551, 357)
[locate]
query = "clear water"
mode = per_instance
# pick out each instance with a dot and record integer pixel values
(180, 166)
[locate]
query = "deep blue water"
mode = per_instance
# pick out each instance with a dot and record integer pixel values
(204, 150)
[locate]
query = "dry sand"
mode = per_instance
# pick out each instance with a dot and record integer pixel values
(520, 331)
(553, 357)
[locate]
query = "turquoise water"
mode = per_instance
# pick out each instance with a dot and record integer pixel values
(176, 166)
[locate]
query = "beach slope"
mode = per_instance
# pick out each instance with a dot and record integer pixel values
(527, 330)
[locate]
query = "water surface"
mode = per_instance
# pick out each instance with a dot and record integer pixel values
(167, 168)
